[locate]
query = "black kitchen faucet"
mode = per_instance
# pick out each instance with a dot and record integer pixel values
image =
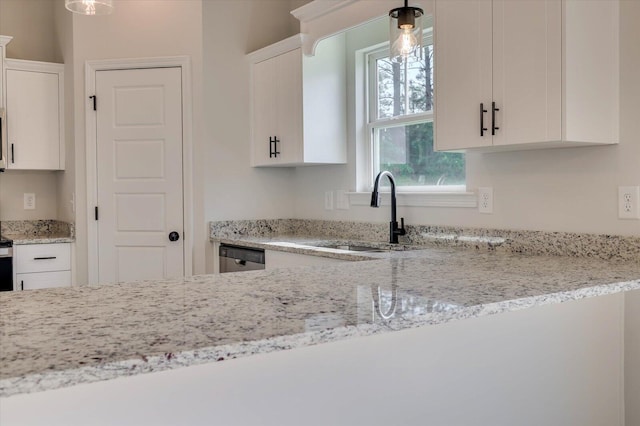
(394, 230)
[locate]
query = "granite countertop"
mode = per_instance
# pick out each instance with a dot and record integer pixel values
(23, 232)
(62, 337)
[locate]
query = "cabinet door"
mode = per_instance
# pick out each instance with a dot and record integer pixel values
(289, 106)
(33, 120)
(264, 111)
(277, 110)
(527, 77)
(41, 280)
(463, 78)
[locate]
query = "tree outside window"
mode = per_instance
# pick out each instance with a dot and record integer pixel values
(401, 122)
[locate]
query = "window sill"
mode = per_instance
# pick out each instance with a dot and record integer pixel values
(419, 199)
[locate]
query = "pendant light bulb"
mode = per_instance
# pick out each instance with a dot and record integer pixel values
(405, 32)
(407, 43)
(89, 7)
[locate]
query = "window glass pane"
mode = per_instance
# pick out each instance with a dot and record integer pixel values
(407, 152)
(405, 88)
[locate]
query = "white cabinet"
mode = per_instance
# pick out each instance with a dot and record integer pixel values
(526, 74)
(298, 104)
(279, 259)
(34, 111)
(4, 40)
(42, 266)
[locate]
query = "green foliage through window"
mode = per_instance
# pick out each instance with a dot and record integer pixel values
(402, 124)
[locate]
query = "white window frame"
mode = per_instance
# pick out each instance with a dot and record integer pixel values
(373, 123)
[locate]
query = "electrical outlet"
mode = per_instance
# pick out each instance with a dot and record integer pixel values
(485, 200)
(328, 200)
(29, 201)
(629, 202)
(342, 200)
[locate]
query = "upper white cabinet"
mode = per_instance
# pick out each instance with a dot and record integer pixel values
(298, 104)
(526, 74)
(4, 40)
(34, 97)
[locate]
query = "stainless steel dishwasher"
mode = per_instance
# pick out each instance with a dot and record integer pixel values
(238, 259)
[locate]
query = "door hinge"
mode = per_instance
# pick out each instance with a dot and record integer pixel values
(96, 212)
(95, 100)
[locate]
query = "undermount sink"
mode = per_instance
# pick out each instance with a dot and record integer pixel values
(354, 248)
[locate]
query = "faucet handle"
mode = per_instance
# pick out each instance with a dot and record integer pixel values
(402, 230)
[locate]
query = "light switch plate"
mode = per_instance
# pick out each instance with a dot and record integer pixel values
(29, 201)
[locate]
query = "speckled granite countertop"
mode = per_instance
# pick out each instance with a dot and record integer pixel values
(24, 232)
(62, 337)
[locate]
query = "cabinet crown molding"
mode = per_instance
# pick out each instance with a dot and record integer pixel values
(319, 8)
(283, 46)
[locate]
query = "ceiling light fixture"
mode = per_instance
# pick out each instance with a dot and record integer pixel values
(405, 32)
(89, 7)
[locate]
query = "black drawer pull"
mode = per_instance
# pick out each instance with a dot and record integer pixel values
(45, 258)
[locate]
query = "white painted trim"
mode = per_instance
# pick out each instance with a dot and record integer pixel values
(23, 65)
(408, 199)
(4, 40)
(276, 49)
(317, 9)
(91, 67)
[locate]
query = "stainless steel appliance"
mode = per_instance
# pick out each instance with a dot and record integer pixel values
(6, 264)
(237, 259)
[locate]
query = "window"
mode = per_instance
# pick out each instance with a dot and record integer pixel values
(400, 123)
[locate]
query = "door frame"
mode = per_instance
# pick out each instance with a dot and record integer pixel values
(93, 66)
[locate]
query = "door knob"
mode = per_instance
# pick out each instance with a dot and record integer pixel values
(174, 236)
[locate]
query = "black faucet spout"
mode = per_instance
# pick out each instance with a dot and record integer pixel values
(394, 229)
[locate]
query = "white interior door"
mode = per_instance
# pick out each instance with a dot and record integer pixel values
(139, 174)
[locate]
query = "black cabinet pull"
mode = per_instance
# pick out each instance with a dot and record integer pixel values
(45, 258)
(482, 111)
(13, 157)
(493, 118)
(273, 147)
(21, 285)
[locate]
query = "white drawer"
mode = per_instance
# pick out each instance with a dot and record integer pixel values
(42, 258)
(40, 280)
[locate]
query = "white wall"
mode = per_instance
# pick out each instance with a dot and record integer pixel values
(552, 190)
(63, 31)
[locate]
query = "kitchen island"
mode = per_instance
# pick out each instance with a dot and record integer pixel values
(64, 337)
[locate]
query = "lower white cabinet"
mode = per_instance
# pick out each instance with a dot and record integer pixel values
(280, 259)
(42, 266)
